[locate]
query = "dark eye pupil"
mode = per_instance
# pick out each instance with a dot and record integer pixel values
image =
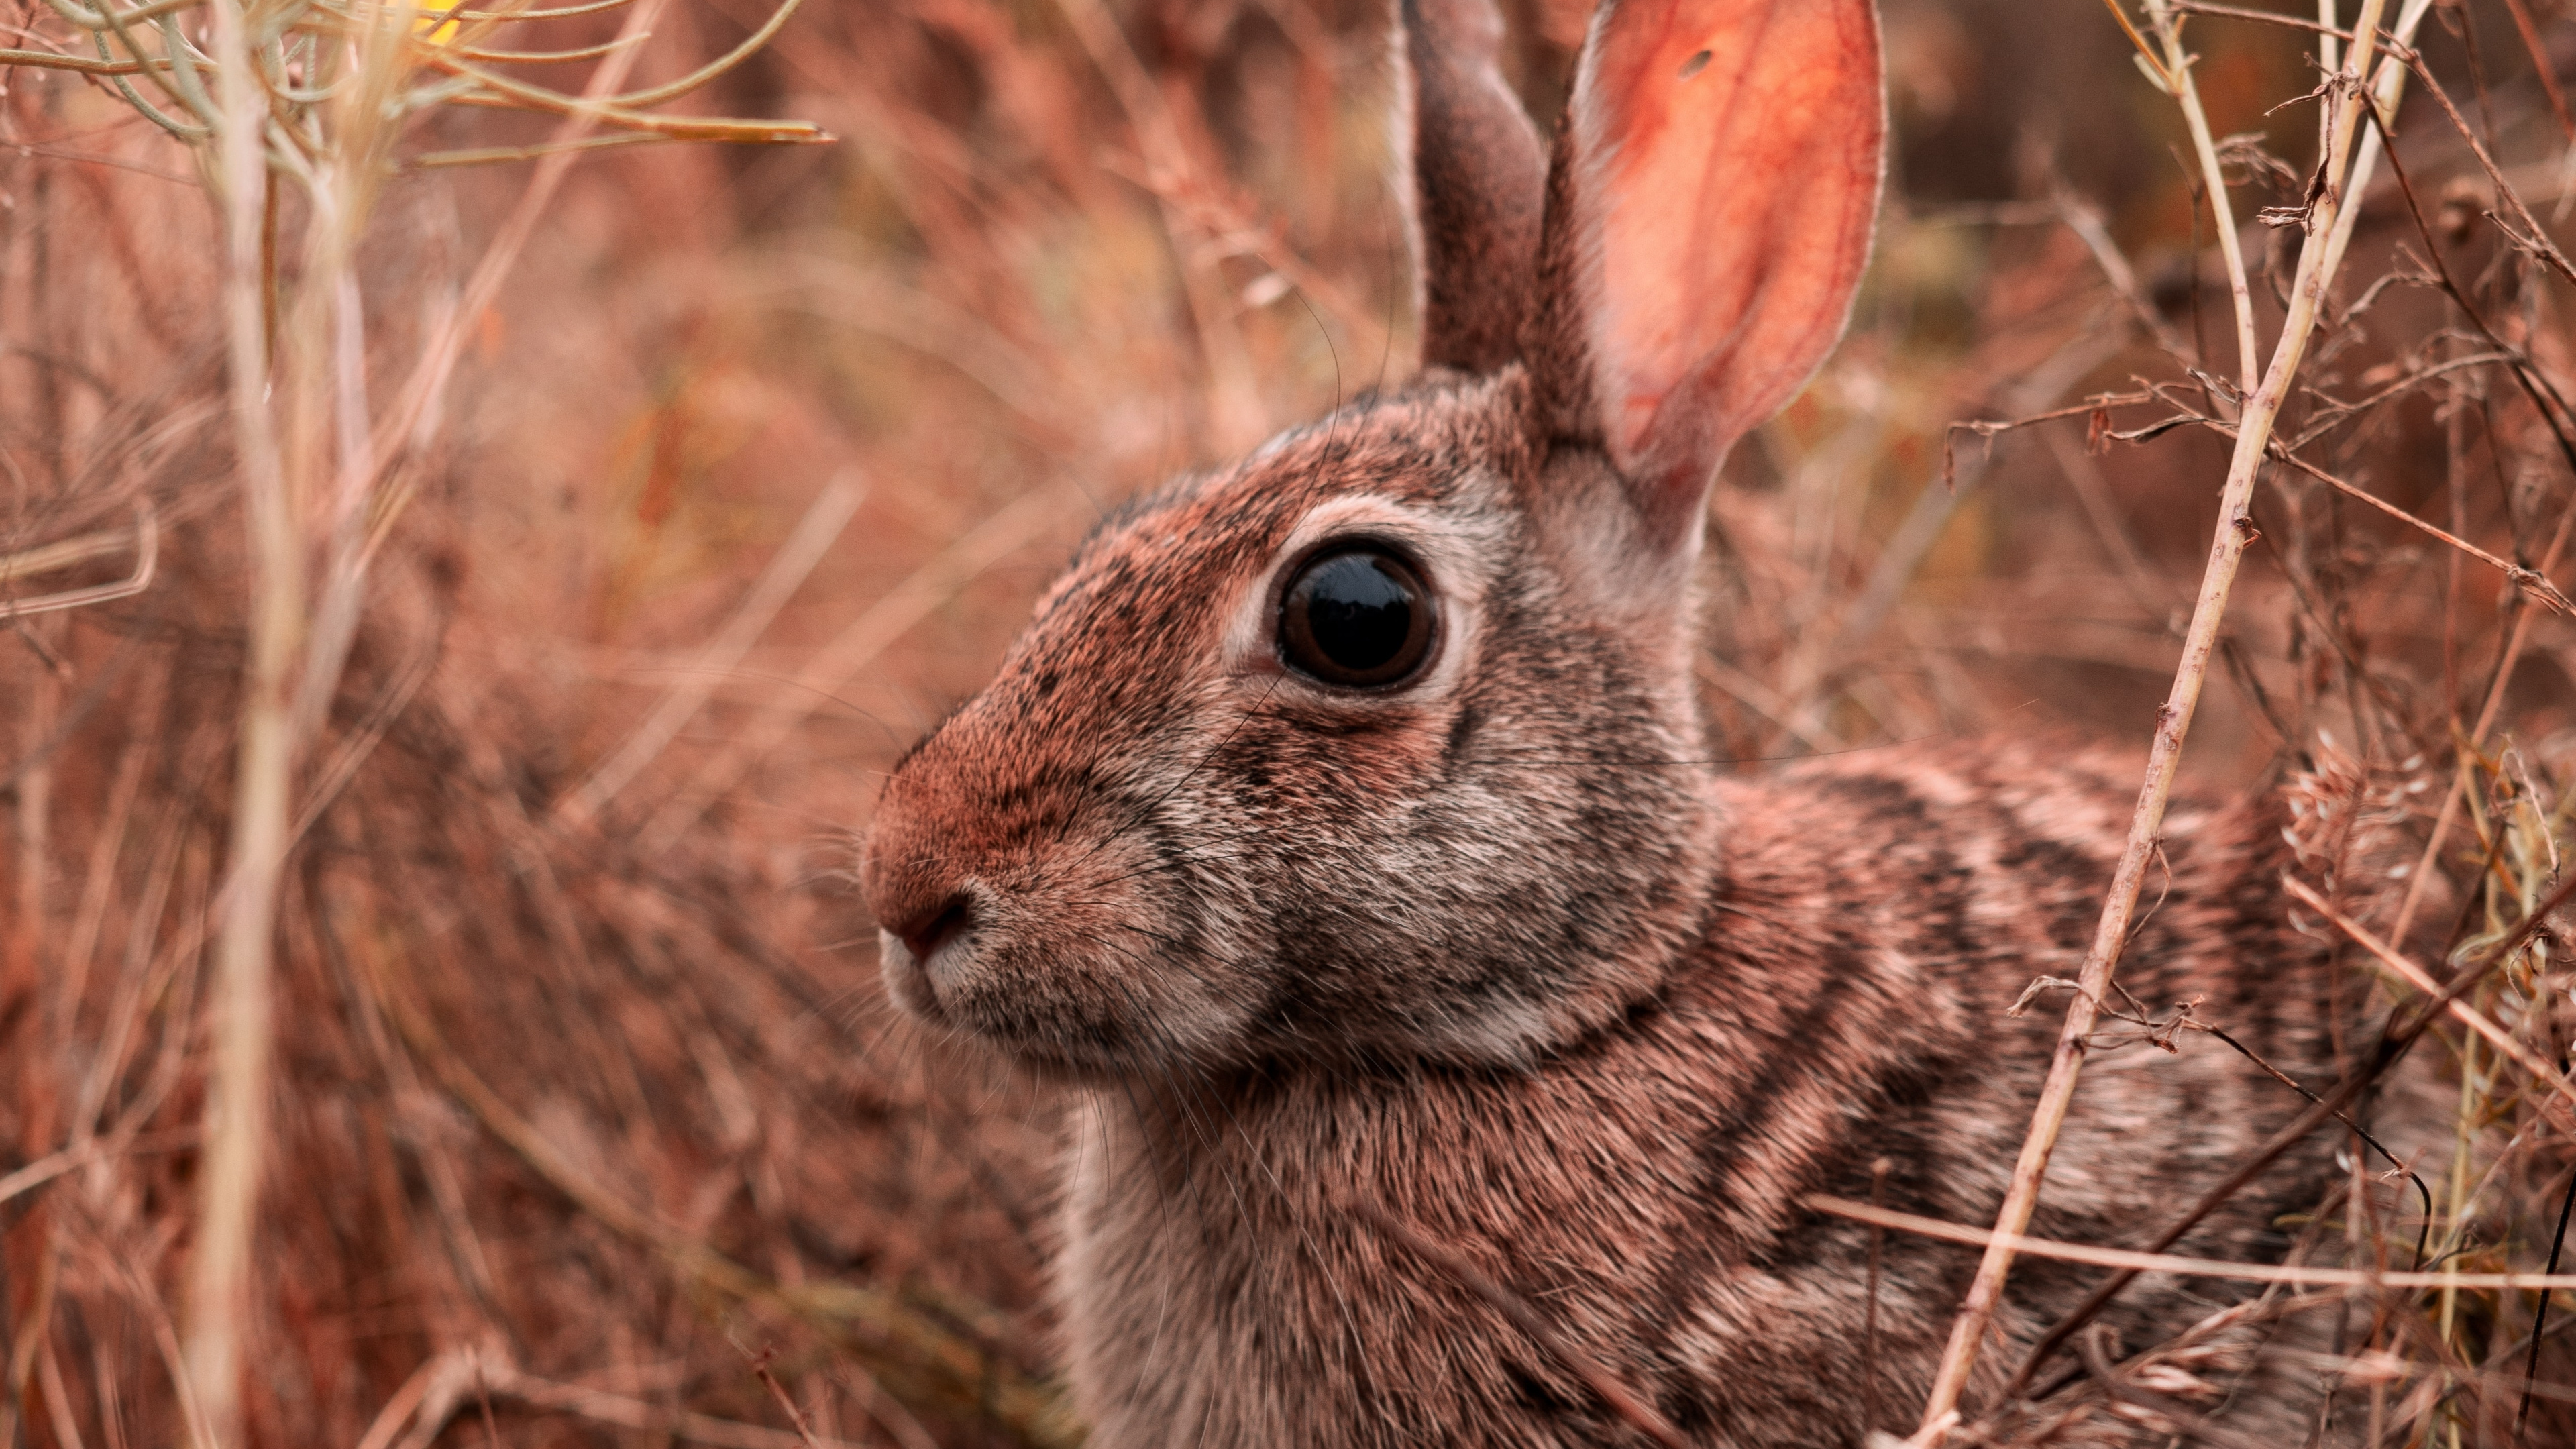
(1358, 616)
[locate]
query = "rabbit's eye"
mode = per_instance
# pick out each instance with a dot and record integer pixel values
(1355, 616)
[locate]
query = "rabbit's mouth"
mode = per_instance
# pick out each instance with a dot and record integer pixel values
(1052, 996)
(929, 943)
(924, 939)
(910, 951)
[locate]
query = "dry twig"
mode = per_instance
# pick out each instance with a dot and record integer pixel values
(2329, 229)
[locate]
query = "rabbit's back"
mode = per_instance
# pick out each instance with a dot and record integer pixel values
(1846, 1003)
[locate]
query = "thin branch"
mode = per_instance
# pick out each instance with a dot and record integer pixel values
(48, 1167)
(2330, 414)
(2126, 1260)
(2540, 1315)
(2177, 70)
(2530, 581)
(2537, 242)
(147, 557)
(509, 94)
(1990, 428)
(795, 1416)
(2422, 980)
(2330, 224)
(546, 57)
(2330, 33)
(2158, 71)
(495, 155)
(438, 1388)
(436, 16)
(2542, 66)
(53, 60)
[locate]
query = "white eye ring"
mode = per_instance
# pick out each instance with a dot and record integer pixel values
(1445, 554)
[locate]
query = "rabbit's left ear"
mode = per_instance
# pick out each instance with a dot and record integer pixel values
(1477, 174)
(1709, 213)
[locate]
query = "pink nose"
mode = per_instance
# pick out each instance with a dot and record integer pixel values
(912, 875)
(926, 930)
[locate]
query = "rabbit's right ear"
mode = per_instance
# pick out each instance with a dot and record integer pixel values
(1709, 213)
(1478, 176)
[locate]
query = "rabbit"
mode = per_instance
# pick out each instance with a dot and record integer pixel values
(1341, 831)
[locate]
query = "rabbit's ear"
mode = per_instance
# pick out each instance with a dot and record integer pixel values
(1478, 178)
(1708, 216)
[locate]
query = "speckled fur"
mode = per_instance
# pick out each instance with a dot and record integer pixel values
(1845, 1003)
(1502, 952)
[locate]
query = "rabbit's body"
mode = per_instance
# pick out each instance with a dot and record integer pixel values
(1342, 830)
(1870, 920)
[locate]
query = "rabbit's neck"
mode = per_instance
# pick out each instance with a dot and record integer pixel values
(1218, 1286)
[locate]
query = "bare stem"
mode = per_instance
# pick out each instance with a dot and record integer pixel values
(2422, 980)
(2221, 211)
(2289, 1273)
(2328, 228)
(218, 1310)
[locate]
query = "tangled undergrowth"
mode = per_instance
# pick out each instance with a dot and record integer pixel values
(587, 1122)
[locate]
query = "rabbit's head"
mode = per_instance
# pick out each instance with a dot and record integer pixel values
(1380, 744)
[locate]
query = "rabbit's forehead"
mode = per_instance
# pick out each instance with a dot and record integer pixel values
(1217, 536)
(1156, 597)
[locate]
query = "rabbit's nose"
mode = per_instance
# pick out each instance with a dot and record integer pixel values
(914, 882)
(934, 925)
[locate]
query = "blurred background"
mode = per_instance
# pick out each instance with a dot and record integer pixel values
(591, 1125)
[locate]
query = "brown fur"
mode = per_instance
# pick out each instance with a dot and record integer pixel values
(1497, 949)
(1475, 158)
(1844, 1004)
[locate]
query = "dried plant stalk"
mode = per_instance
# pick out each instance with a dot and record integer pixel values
(243, 1008)
(2329, 226)
(320, 96)
(2220, 1268)
(2222, 212)
(2419, 979)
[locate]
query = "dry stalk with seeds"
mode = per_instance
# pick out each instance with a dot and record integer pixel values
(312, 108)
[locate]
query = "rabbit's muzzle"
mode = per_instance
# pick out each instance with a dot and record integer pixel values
(1031, 920)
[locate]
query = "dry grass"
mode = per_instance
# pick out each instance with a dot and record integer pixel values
(587, 1123)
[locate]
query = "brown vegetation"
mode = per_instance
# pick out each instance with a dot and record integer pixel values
(587, 1120)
